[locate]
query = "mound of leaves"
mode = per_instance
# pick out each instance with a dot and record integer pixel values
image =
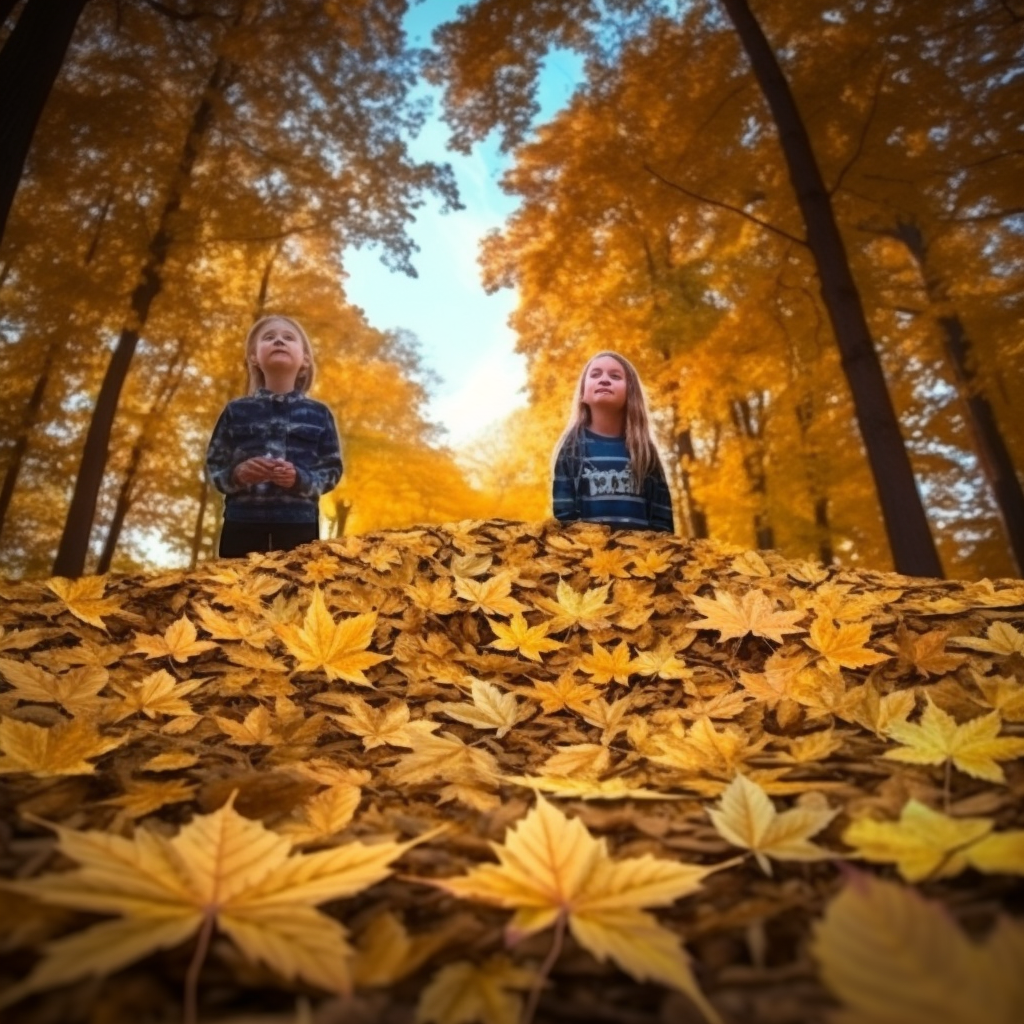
(502, 772)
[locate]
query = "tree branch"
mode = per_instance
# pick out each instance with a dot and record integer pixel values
(725, 206)
(865, 128)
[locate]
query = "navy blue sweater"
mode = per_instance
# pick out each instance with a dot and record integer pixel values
(597, 487)
(291, 427)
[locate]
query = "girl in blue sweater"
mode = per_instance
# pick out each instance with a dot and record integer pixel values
(274, 452)
(606, 467)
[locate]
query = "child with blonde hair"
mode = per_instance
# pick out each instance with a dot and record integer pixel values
(606, 464)
(274, 452)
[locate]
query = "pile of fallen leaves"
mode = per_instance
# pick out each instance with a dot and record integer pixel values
(501, 771)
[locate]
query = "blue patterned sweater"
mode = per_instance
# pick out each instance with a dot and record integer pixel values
(597, 487)
(289, 426)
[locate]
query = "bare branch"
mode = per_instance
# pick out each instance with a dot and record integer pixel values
(865, 128)
(725, 206)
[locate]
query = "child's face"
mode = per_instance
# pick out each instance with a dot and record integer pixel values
(605, 384)
(278, 350)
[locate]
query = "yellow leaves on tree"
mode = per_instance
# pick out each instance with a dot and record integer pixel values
(338, 648)
(892, 957)
(220, 870)
(551, 871)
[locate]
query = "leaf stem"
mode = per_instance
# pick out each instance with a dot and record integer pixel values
(545, 969)
(192, 976)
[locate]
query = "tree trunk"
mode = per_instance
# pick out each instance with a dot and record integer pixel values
(74, 543)
(28, 421)
(910, 539)
(811, 458)
(6, 6)
(144, 441)
(696, 515)
(993, 454)
(197, 533)
(30, 61)
(750, 426)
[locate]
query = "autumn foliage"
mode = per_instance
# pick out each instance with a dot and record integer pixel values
(494, 770)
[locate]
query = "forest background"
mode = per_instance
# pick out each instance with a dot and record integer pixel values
(802, 222)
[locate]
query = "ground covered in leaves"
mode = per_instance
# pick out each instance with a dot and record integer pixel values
(494, 771)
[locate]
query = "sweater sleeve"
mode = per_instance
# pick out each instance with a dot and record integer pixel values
(564, 497)
(325, 469)
(220, 461)
(660, 503)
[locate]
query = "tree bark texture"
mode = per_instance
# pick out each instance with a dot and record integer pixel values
(906, 524)
(30, 61)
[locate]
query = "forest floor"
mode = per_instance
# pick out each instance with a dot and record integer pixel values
(491, 771)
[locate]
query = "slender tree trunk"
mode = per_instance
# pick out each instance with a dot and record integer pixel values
(910, 539)
(197, 532)
(750, 426)
(29, 418)
(74, 543)
(812, 461)
(993, 453)
(696, 514)
(30, 61)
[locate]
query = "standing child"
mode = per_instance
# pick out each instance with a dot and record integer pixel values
(607, 468)
(273, 453)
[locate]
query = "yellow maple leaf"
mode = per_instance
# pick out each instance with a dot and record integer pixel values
(77, 691)
(608, 665)
(1003, 695)
(843, 647)
(255, 729)
(432, 596)
(445, 757)
(1000, 638)
(158, 694)
(578, 760)
(519, 635)
(143, 796)
(752, 613)
(233, 627)
(84, 598)
(463, 992)
(339, 648)
(552, 871)
(704, 748)
(588, 610)
(385, 726)
(974, 747)
(662, 661)
(386, 952)
(322, 816)
(892, 957)
(491, 709)
(923, 843)
(926, 652)
(178, 642)
(747, 818)
(492, 595)
(650, 564)
(21, 639)
(566, 692)
(609, 563)
(220, 870)
(60, 750)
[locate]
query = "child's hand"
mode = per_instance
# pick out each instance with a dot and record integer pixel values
(283, 474)
(255, 471)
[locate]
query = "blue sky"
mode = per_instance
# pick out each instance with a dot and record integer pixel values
(463, 331)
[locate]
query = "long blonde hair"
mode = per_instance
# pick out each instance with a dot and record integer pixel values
(640, 445)
(304, 380)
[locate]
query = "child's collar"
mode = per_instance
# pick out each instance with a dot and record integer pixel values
(288, 396)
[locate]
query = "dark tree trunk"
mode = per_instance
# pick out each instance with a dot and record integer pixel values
(29, 418)
(993, 454)
(197, 533)
(6, 6)
(697, 517)
(812, 460)
(910, 539)
(74, 543)
(825, 551)
(30, 61)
